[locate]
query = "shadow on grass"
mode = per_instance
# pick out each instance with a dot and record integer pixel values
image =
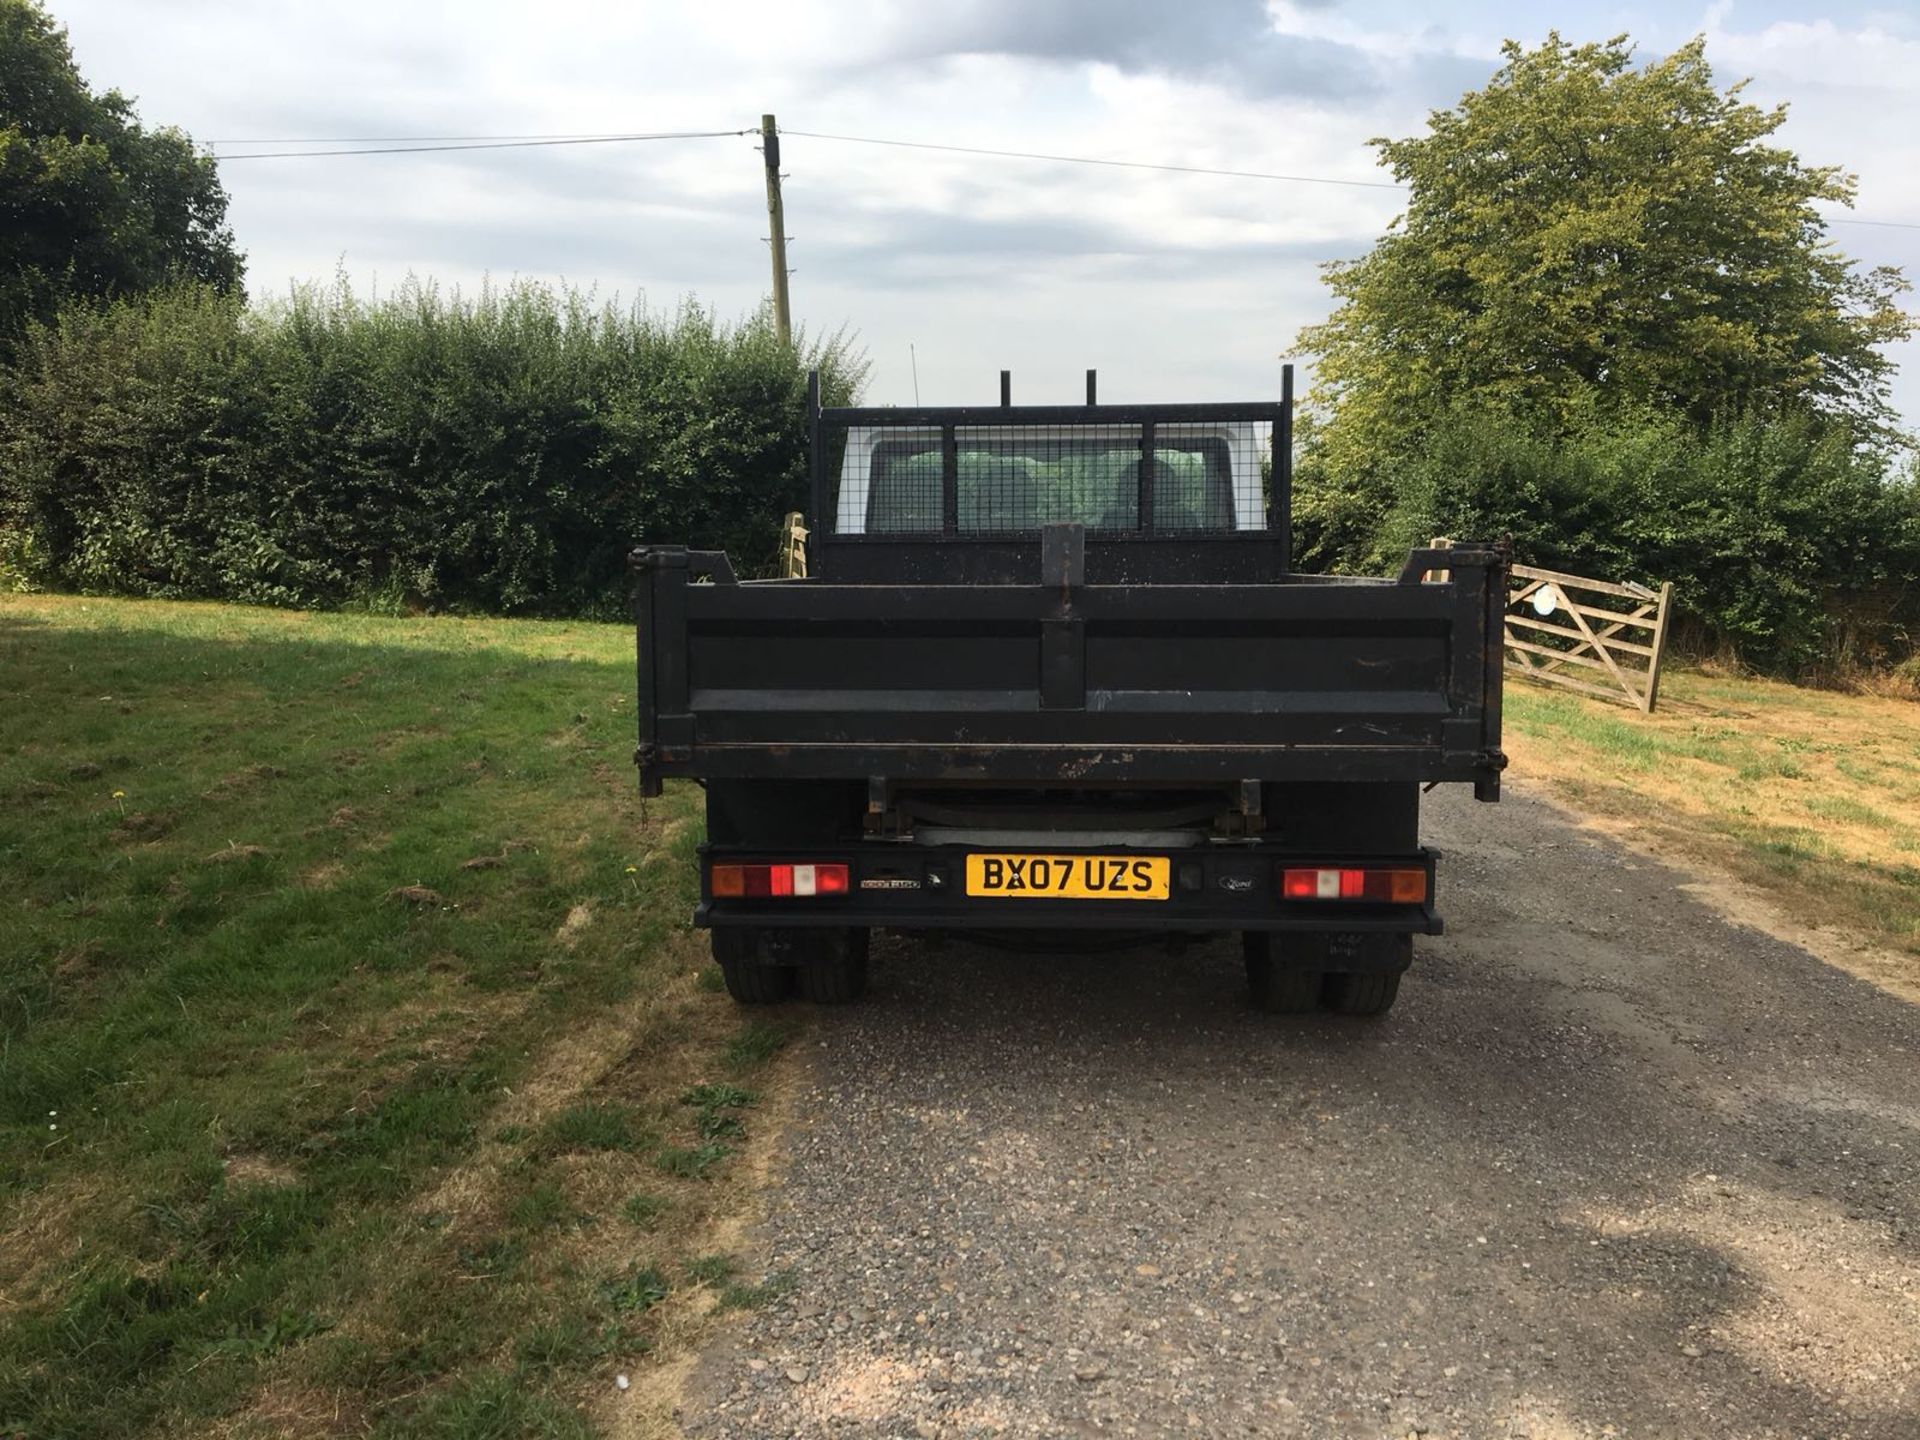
(281, 921)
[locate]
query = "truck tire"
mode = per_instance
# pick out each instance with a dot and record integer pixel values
(1362, 994)
(750, 978)
(833, 967)
(1277, 987)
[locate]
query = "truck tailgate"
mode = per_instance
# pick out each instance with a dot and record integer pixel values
(1306, 678)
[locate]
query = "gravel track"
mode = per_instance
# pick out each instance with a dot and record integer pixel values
(1613, 1167)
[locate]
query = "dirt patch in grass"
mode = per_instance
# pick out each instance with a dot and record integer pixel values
(287, 1410)
(77, 962)
(45, 1235)
(666, 850)
(234, 854)
(142, 828)
(34, 792)
(441, 1023)
(323, 876)
(248, 1169)
(578, 919)
(244, 778)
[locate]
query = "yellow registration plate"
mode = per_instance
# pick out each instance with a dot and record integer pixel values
(1069, 877)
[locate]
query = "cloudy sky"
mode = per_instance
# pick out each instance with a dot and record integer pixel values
(1176, 286)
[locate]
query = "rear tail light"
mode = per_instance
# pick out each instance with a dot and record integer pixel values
(1397, 887)
(757, 882)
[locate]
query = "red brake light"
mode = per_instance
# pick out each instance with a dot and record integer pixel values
(1397, 887)
(1301, 884)
(765, 882)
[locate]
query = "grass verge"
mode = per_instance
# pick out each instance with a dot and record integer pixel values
(1811, 797)
(349, 1031)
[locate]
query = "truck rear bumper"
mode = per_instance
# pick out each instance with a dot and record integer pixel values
(1213, 888)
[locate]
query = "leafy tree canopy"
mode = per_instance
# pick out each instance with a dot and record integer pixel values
(91, 203)
(1583, 233)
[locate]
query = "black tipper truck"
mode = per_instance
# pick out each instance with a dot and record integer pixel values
(1052, 670)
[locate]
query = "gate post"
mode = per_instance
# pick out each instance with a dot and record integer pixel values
(1659, 648)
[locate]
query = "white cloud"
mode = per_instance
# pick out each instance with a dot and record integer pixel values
(1173, 285)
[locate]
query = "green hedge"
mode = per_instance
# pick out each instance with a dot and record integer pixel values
(502, 453)
(496, 454)
(1791, 549)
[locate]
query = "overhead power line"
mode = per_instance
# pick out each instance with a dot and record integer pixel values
(1201, 170)
(422, 139)
(1092, 160)
(419, 144)
(1877, 224)
(483, 145)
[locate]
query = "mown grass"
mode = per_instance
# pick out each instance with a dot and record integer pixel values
(345, 1016)
(1812, 795)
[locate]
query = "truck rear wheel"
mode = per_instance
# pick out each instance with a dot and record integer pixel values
(832, 969)
(1277, 987)
(741, 954)
(1362, 994)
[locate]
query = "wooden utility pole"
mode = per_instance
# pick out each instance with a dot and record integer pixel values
(777, 221)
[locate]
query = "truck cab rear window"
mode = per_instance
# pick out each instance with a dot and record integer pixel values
(1015, 482)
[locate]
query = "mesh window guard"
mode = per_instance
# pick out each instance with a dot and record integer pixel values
(1116, 477)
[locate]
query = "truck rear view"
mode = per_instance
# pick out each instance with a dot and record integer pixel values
(1052, 671)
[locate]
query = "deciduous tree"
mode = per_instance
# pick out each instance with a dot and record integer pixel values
(92, 204)
(1583, 232)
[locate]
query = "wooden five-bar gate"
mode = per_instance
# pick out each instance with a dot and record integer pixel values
(1594, 636)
